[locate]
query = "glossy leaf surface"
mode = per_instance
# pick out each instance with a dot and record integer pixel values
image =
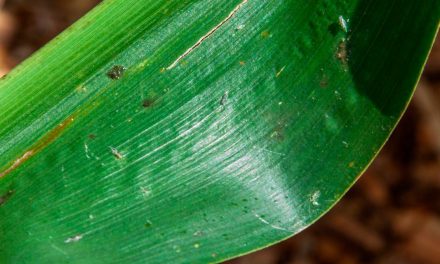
(196, 131)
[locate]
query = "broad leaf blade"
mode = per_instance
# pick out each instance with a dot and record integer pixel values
(195, 131)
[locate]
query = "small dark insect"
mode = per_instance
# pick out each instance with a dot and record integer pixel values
(118, 155)
(147, 103)
(224, 99)
(92, 136)
(116, 72)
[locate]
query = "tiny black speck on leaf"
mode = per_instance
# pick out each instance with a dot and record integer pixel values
(147, 103)
(5, 197)
(224, 99)
(116, 72)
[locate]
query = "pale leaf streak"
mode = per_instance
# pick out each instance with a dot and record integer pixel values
(273, 152)
(59, 249)
(207, 35)
(273, 226)
(280, 72)
(73, 239)
(17, 163)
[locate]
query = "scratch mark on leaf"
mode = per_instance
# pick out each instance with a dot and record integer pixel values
(86, 150)
(59, 249)
(274, 152)
(343, 23)
(280, 72)
(273, 226)
(207, 35)
(73, 239)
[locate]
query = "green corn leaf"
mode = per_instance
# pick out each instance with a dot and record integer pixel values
(196, 131)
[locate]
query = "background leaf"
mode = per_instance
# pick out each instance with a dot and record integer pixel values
(192, 131)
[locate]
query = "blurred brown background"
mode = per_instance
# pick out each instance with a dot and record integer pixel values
(392, 215)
